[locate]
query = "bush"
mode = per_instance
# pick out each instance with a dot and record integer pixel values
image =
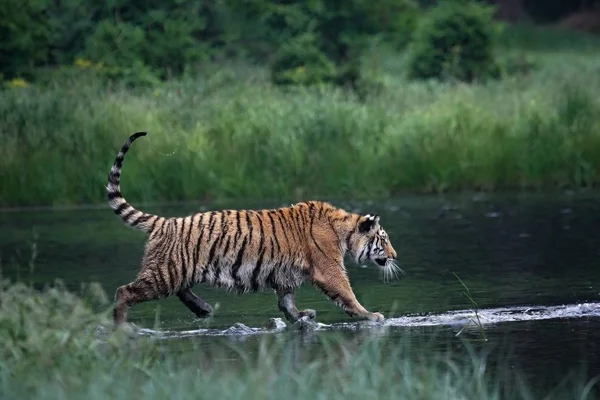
(300, 62)
(455, 41)
(25, 34)
(160, 40)
(145, 41)
(338, 31)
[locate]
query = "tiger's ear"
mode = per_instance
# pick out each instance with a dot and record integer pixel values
(368, 222)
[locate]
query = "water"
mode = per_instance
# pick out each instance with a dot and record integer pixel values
(530, 262)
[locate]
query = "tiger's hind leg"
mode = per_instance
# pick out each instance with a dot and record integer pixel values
(194, 303)
(287, 305)
(126, 296)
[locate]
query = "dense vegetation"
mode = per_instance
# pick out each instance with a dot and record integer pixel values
(51, 349)
(290, 99)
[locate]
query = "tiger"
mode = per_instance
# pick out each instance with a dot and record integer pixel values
(246, 251)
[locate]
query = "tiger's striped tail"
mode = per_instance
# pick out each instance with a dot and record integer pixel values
(117, 202)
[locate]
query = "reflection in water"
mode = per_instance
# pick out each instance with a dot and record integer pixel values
(536, 251)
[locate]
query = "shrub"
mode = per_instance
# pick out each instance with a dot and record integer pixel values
(300, 62)
(25, 34)
(337, 33)
(455, 41)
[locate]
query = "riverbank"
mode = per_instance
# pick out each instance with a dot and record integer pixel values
(229, 134)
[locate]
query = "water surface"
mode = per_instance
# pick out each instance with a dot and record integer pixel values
(537, 251)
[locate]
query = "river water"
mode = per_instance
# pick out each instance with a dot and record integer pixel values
(530, 261)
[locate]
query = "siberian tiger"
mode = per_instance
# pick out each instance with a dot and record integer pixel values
(249, 250)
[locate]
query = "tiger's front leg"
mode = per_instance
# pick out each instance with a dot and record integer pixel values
(287, 305)
(332, 281)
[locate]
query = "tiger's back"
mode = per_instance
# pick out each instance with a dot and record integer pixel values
(238, 250)
(248, 250)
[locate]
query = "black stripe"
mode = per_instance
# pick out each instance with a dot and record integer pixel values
(185, 257)
(262, 233)
(177, 240)
(262, 249)
(120, 208)
(171, 270)
(120, 158)
(164, 226)
(302, 217)
(163, 280)
(227, 245)
(193, 247)
(179, 232)
(360, 257)
(137, 135)
(274, 232)
(212, 221)
(272, 246)
(282, 227)
(295, 225)
(238, 261)
(250, 228)
(271, 279)
(114, 195)
(348, 245)
(211, 253)
(148, 282)
(199, 244)
(167, 254)
(153, 225)
(128, 214)
(256, 271)
(238, 225)
(312, 236)
(141, 219)
(225, 231)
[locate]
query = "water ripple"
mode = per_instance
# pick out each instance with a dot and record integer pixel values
(450, 318)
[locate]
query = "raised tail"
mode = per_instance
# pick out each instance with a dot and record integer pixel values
(129, 215)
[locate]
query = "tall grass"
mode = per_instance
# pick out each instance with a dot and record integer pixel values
(230, 134)
(50, 349)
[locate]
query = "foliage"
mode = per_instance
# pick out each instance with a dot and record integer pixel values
(26, 35)
(300, 61)
(539, 130)
(55, 346)
(455, 41)
(339, 30)
(142, 41)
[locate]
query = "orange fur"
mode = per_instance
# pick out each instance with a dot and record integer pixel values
(248, 251)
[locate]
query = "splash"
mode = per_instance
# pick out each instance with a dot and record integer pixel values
(499, 315)
(451, 318)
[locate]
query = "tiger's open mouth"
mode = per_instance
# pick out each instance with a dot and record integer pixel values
(380, 261)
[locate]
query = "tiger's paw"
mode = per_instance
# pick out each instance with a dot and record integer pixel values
(307, 313)
(376, 317)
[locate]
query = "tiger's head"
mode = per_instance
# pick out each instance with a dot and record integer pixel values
(369, 241)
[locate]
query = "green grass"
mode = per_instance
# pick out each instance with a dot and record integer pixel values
(229, 134)
(50, 349)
